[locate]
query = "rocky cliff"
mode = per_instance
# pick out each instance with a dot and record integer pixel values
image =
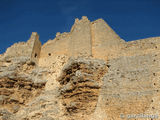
(89, 73)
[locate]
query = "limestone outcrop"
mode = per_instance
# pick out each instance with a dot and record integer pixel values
(89, 73)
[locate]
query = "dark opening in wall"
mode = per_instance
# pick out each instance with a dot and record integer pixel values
(154, 74)
(108, 66)
(49, 54)
(35, 55)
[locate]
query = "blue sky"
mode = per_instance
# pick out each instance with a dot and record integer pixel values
(131, 19)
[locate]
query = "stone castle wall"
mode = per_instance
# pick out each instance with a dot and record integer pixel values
(90, 39)
(104, 39)
(80, 43)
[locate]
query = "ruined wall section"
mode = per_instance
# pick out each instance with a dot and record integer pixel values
(87, 39)
(141, 47)
(104, 39)
(57, 46)
(18, 49)
(80, 43)
(73, 44)
(24, 49)
(94, 39)
(54, 48)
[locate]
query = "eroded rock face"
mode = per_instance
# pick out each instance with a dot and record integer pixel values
(24, 97)
(80, 84)
(19, 83)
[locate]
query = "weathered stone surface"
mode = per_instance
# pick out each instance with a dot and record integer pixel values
(80, 82)
(47, 118)
(89, 73)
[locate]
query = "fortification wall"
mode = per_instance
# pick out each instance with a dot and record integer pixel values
(141, 47)
(86, 38)
(94, 39)
(54, 48)
(138, 47)
(76, 43)
(148, 44)
(104, 39)
(18, 49)
(80, 43)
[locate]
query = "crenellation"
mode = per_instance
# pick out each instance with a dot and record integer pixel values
(60, 36)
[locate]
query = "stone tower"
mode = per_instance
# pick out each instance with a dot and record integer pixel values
(30, 49)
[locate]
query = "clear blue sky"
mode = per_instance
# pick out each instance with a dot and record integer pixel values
(131, 19)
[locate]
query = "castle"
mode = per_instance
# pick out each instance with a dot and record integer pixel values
(93, 39)
(88, 73)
